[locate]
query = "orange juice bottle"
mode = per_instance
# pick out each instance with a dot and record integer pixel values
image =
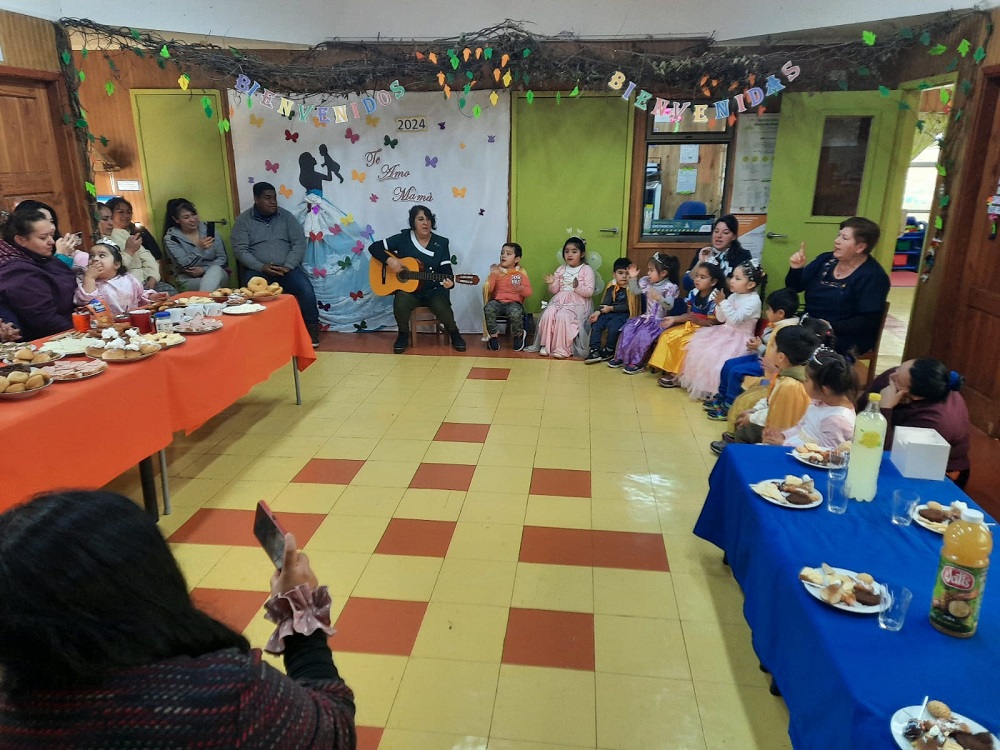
(958, 590)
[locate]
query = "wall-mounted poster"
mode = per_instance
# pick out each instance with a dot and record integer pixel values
(756, 136)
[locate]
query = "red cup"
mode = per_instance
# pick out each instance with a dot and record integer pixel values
(141, 320)
(81, 322)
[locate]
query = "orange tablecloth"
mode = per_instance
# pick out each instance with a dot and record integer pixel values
(85, 433)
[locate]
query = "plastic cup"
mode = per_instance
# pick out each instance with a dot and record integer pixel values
(895, 602)
(836, 490)
(81, 322)
(141, 320)
(903, 503)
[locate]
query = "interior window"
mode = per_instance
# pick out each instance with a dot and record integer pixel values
(841, 166)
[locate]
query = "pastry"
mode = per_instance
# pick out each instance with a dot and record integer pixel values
(969, 741)
(15, 388)
(17, 378)
(939, 710)
(257, 283)
(934, 515)
(114, 354)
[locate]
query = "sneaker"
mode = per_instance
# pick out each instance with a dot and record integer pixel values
(729, 437)
(718, 415)
(615, 363)
(633, 369)
(594, 357)
(493, 344)
(519, 342)
(710, 404)
(668, 381)
(558, 355)
(402, 341)
(607, 354)
(717, 446)
(313, 329)
(458, 343)
(543, 351)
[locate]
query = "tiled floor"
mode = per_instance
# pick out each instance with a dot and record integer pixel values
(507, 541)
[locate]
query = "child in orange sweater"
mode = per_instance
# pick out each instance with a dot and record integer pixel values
(508, 286)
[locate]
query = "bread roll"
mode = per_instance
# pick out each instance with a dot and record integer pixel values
(148, 348)
(17, 377)
(114, 354)
(15, 388)
(257, 283)
(35, 381)
(24, 354)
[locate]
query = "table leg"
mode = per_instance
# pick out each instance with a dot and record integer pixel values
(298, 387)
(164, 482)
(148, 480)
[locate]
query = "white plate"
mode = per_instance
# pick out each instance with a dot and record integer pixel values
(803, 460)
(785, 503)
(70, 346)
(903, 715)
(858, 609)
(937, 528)
(248, 308)
(188, 331)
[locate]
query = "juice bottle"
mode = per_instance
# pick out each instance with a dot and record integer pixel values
(961, 578)
(866, 451)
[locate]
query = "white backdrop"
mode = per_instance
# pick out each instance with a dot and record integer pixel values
(421, 148)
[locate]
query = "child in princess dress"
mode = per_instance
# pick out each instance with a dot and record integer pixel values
(572, 286)
(640, 333)
(107, 278)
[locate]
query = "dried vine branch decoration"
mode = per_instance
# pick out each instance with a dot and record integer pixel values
(692, 68)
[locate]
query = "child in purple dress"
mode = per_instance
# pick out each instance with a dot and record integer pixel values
(640, 333)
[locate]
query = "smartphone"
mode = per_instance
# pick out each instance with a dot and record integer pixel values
(211, 228)
(269, 533)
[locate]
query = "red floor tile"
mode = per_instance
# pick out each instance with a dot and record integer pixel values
(488, 373)
(560, 482)
(235, 527)
(378, 626)
(541, 638)
(629, 550)
(458, 432)
(237, 609)
(329, 471)
(407, 536)
(443, 477)
(541, 544)
(369, 737)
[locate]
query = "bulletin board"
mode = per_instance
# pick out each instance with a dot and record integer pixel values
(756, 136)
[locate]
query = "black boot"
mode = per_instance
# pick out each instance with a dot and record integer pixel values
(313, 329)
(402, 341)
(457, 342)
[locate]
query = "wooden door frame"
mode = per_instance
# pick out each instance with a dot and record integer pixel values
(68, 152)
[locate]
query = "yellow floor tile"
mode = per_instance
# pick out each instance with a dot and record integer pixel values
(273, 468)
(570, 420)
(374, 678)
(188, 492)
(404, 739)
(339, 571)
(500, 454)
(461, 702)
(389, 449)
(548, 457)
(560, 437)
(445, 452)
(512, 434)
(497, 743)
(635, 516)
(535, 704)
(349, 533)
(560, 512)
(293, 446)
(467, 632)
(240, 568)
(640, 646)
(168, 524)
(567, 588)
(607, 434)
(307, 498)
(419, 428)
(485, 541)
(639, 712)
(722, 653)
(368, 501)
(357, 449)
(621, 461)
(244, 445)
(610, 486)
(638, 593)
(399, 577)
(195, 560)
(508, 479)
(494, 507)
(677, 517)
(518, 400)
(365, 428)
(485, 582)
(244, 494)
(470, 414)
(430, 505)
(688, 554)
(216, 466)
(314, 428)
(707, 598)
(518, 417)
(385, 474)
(740, 716)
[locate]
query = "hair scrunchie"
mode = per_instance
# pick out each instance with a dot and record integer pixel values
(954, 381)
(302, 610)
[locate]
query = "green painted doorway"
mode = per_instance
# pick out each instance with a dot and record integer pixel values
(570, 169)
(184, 154)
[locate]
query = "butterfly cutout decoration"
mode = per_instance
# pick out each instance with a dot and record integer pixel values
(373, 121)
(336, 229)
(373, 198)
(318, 123)
(359, 176)
(363, 325)
(314, 209)
(461, 146)
(391, 142)
(458, 192)
(250, 180)
(271, 166)
(482, 212)
(290, 136)
(256, 121)
(347, 220)
(441, 125)
(359, 247)
(316, 236)
(491, 139)
(319, 273)
(285, 191)
(351, 135)
(368, 232)
(431, 162)
(344, 264)
(323, 306)
(324, 327)
(357, 295)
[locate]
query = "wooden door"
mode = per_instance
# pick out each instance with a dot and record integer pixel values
(30, 163)
(570, 174)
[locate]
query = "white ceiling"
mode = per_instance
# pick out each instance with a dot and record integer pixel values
(308, 22)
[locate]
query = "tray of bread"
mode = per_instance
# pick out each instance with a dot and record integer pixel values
(126, 347)
(936, 517)
(818, 457)
(843, 589)
(69, 370)
(935, 725)
(28, 355)
(256, 289)
(22, 381)
(791, 492)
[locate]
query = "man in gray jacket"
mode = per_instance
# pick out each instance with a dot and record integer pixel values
(268, 241)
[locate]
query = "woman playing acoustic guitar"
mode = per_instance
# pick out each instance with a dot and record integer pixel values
(435, 257)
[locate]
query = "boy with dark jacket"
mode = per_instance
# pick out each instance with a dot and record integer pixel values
(617, 305)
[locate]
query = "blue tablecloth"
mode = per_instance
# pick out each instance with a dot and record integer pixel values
(841, 676)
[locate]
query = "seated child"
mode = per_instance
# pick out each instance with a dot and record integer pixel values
(668, 355)
(786, 400)
(572, 286)
(508, 286)
(640, 333)
(829, 420)
(107, 278)
(617, 306)
(780, 311)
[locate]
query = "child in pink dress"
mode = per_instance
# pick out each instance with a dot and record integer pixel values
(711, 347)
(572, 286)
(107, 278)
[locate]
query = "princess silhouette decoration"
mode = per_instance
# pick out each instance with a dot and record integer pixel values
(336, 257)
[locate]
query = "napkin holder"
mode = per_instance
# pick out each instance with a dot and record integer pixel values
(920, 453)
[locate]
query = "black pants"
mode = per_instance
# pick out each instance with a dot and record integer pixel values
(436, 298)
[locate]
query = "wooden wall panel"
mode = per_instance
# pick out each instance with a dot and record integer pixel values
(28, 42)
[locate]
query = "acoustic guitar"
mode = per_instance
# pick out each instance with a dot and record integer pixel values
(385, 281)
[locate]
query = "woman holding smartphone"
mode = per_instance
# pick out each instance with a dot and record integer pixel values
(101, 646)
(198, 255)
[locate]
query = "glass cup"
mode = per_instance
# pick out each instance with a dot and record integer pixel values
(895, 602)
(903, 503)
(836, 490)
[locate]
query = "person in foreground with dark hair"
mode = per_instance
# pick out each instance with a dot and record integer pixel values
(101, 646)
(924, 393)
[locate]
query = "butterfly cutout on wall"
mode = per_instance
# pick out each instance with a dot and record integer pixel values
(391, 142)
(290, 136)
(359, 176)
(316, 236)
(461, 146)
(351, 135)
(359, 247)
(250, 180)
(323, 306)
(335, 229)
(482, 212)
(368, 232)
(431, 162)
(318, 123)
(491, 139)
(347, 220)
(458, 192)
(373, 121)
(256, 121)
(324, 326)
(271, 166)
(441, 125)
(363, 325)
(357, 295)
(373, 198)
(344, 264)
(286, 192)
(319, 273)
